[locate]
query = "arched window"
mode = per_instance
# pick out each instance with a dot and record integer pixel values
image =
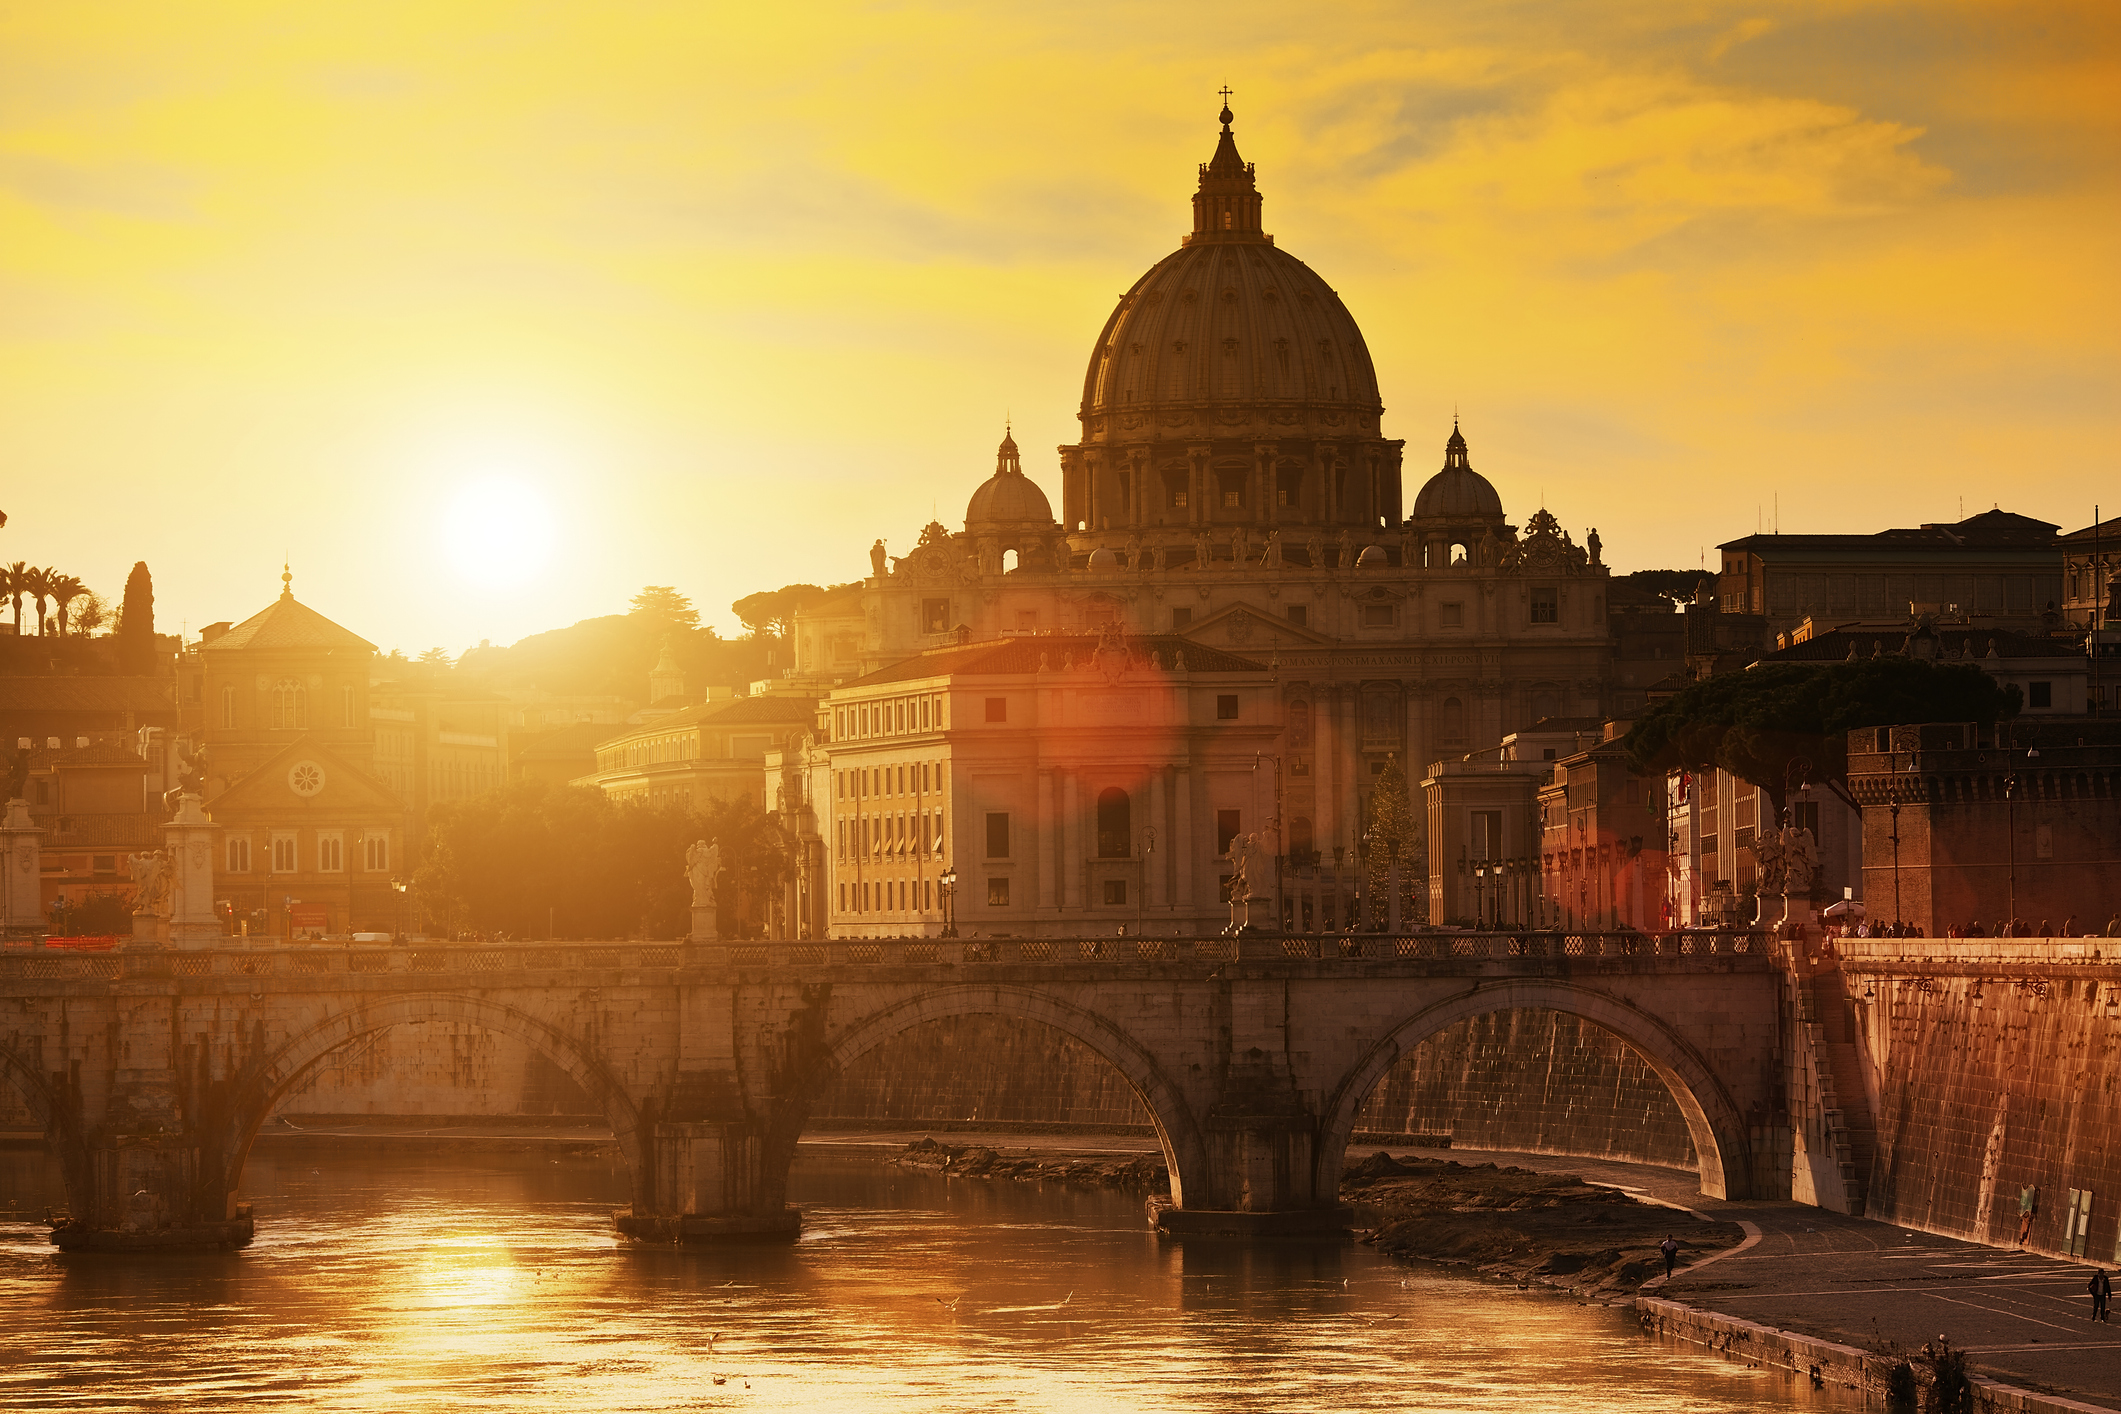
(1299, 726)
(1300, 836)
(1115, 824)
(1458, 554)
(290, 705)
(1454, 722)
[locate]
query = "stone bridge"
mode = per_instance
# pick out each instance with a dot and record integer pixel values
(153, 1069)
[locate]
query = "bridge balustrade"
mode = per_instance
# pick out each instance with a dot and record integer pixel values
(314, 961)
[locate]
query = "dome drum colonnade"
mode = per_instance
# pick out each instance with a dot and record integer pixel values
(1230, 387)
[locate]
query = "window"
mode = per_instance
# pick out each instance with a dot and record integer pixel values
(228, 707)
(1226, 707)
(104, 864)
(290, 705)
(1115, 824)
(346, 705)
(1379, 615)
(997, 893)
(997, 709)
(2043, 694)
(238, 856)
(935, 615)
(1546, 606)
(1178, 497)
(1454, 722)
(1181, 620)
(1233, 498)
(1297, 614)
(1487, 834)
(283, 854)
(331, 854)
(1115, 891)
(1454, 616)
(375, 854)
(998, 834)
(1227, 828)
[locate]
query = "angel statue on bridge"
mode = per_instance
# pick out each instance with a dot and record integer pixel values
(151, 880)
(703, 865)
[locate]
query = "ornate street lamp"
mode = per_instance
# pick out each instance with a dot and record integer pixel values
(948, 881)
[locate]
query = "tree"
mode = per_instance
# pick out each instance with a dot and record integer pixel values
(14, 582)
(531, 858)
(665, 606)
(773, 611)
(1395, 837)
(93, 614)
(65, 589)
(1773, 724)
(435, 659)
(37, 583)
(136, 623)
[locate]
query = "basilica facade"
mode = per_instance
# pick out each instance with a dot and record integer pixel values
(1232, 489)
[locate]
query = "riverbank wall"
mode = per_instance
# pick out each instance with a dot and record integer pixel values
(1993, 1077)
(1836, 1366)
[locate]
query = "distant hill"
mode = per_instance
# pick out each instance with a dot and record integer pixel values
(612, 656)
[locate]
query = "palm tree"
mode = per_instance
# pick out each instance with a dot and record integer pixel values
(14, 583)
(65, 589)
(38, 585)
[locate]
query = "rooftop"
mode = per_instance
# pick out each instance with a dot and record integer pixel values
(1994, 529)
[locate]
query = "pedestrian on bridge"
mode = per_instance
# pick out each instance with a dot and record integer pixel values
(1670, 1248)
(2102, 1289)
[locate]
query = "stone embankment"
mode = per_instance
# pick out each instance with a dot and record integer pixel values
(1517, 1225)
(1140, 1174)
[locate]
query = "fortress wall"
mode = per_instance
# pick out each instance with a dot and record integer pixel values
(1981, 1098)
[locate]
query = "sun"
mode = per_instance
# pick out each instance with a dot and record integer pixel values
(498, 532)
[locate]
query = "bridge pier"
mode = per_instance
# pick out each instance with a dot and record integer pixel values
(143, 1180)
(1258, 1181)
(710, 1181)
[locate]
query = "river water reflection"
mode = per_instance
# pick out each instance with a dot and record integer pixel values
(493, 1282)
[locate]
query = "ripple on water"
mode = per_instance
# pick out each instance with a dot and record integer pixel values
(493, 1282)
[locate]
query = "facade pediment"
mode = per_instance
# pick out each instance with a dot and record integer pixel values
(309, 776)
(1249, 629)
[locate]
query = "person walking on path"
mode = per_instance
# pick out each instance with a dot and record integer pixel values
(2102, 1289)
(1670, 1249)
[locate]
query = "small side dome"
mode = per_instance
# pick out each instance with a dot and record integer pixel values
(1008, 499)
(1373, 557)
(1104, 559)
(1457, 492)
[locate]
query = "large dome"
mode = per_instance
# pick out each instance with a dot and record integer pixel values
(1008, 499)
(1457, 492)
(1229, 329)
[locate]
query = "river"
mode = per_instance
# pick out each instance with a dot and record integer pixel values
(492, 1281)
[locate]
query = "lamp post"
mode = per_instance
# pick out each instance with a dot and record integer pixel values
(1893, 809)
(2010, 808)
(1141, 902)
(948, 881)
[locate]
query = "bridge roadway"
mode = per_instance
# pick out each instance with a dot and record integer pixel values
(152, 1069)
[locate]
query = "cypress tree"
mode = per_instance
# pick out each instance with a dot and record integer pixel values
(1397, 831)
(136, 623)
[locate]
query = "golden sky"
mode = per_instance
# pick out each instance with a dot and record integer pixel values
(734, 290)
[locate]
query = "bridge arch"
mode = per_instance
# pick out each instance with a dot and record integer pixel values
(1172, 1117)
(1713, 1119)
(297, 1057)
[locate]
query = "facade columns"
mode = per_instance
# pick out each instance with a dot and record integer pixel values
(1184, 847)
(1071, 844)
(1153, 875)
(1324, 733)
(1046, 841)
(1198, 511)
